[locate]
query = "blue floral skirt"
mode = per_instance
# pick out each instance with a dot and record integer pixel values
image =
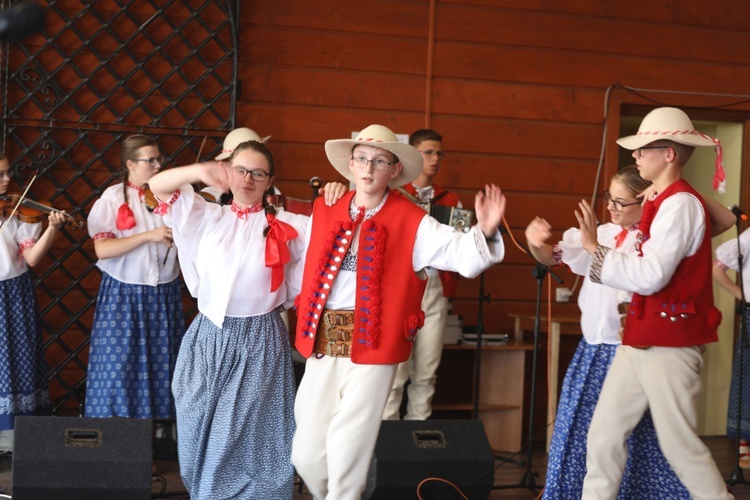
(134, 345)
(745, 391)
(647, 473)
(234, 391)
(23, 373)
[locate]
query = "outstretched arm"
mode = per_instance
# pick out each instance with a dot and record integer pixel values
(721, 217)
(537, 233)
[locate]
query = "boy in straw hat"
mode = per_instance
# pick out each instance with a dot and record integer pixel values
(669, 319)
(359, 308)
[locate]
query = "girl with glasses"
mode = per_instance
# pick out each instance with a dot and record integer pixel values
(647, 474)
(234, 383)
(139, 319)
(600, 324)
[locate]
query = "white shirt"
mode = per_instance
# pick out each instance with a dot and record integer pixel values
(142, 265)
(727, 253)
(676, 232)
(222, 256)
(15, 235)
(437, 246)
(600, 321)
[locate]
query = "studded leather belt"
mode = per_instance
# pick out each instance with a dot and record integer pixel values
(334, 338)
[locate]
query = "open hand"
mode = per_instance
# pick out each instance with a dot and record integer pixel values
(587, 222)
(489, 205)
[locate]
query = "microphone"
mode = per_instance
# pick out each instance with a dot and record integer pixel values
(21, 20)
(737, 211)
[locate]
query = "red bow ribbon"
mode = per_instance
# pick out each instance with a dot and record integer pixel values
(620, 238)
(125, 217)
(277, 251)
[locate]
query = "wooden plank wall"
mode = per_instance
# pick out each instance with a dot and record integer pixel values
(517, 88)
(518, 91)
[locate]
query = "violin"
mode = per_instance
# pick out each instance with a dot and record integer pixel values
(33, 211)
(149, 199)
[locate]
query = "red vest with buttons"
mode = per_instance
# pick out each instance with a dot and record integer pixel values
(682, 314)
(387, 312)
(445, 198)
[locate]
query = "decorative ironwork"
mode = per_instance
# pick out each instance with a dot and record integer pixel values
(99, 71)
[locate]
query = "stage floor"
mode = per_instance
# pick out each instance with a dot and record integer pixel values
(505, 474)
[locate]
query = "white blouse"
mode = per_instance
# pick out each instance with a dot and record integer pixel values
(600, 321)
(16, 235)
(142, 265)
(727, 252)
(222, 256)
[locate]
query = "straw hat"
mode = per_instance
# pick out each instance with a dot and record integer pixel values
(237, 137)
(340, 150)
(666, 123)
(673, 124)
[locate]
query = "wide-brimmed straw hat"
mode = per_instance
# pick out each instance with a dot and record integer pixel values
(671, 124)
(340, 150)
(674, 124)
(237, 137)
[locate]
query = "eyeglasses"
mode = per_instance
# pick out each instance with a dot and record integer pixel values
(256, 175)
(5, 174)
(377, 163)
(639, 151)
(152, 162)
(430, 152)
(617, 205)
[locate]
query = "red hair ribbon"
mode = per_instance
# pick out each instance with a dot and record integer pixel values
(125, 217)
(277, 251)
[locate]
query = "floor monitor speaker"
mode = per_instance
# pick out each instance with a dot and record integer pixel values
(408, 452)
(82, 458)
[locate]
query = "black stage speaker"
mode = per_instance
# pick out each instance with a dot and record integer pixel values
(407, 452)
(81, 458)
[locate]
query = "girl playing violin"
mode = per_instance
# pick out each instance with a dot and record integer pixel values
(23, 372)
(139, 320)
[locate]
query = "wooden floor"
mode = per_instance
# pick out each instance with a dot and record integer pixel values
(508, 476)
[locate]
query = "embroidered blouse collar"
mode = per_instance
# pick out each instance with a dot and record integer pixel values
(242, 213)
(354, 210)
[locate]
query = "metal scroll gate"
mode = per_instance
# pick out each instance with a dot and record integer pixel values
(97, 72)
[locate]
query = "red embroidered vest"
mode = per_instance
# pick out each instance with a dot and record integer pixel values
(442, 197)
(682, 314)
(387, 312)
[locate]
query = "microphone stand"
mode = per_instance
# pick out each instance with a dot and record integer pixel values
(527, 481)
(737, 477)
(478, 363)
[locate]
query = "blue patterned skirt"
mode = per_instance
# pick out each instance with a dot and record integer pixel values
(23, 373)
(745, 391)
(234, 391)
(134, 345)
(647, 473)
